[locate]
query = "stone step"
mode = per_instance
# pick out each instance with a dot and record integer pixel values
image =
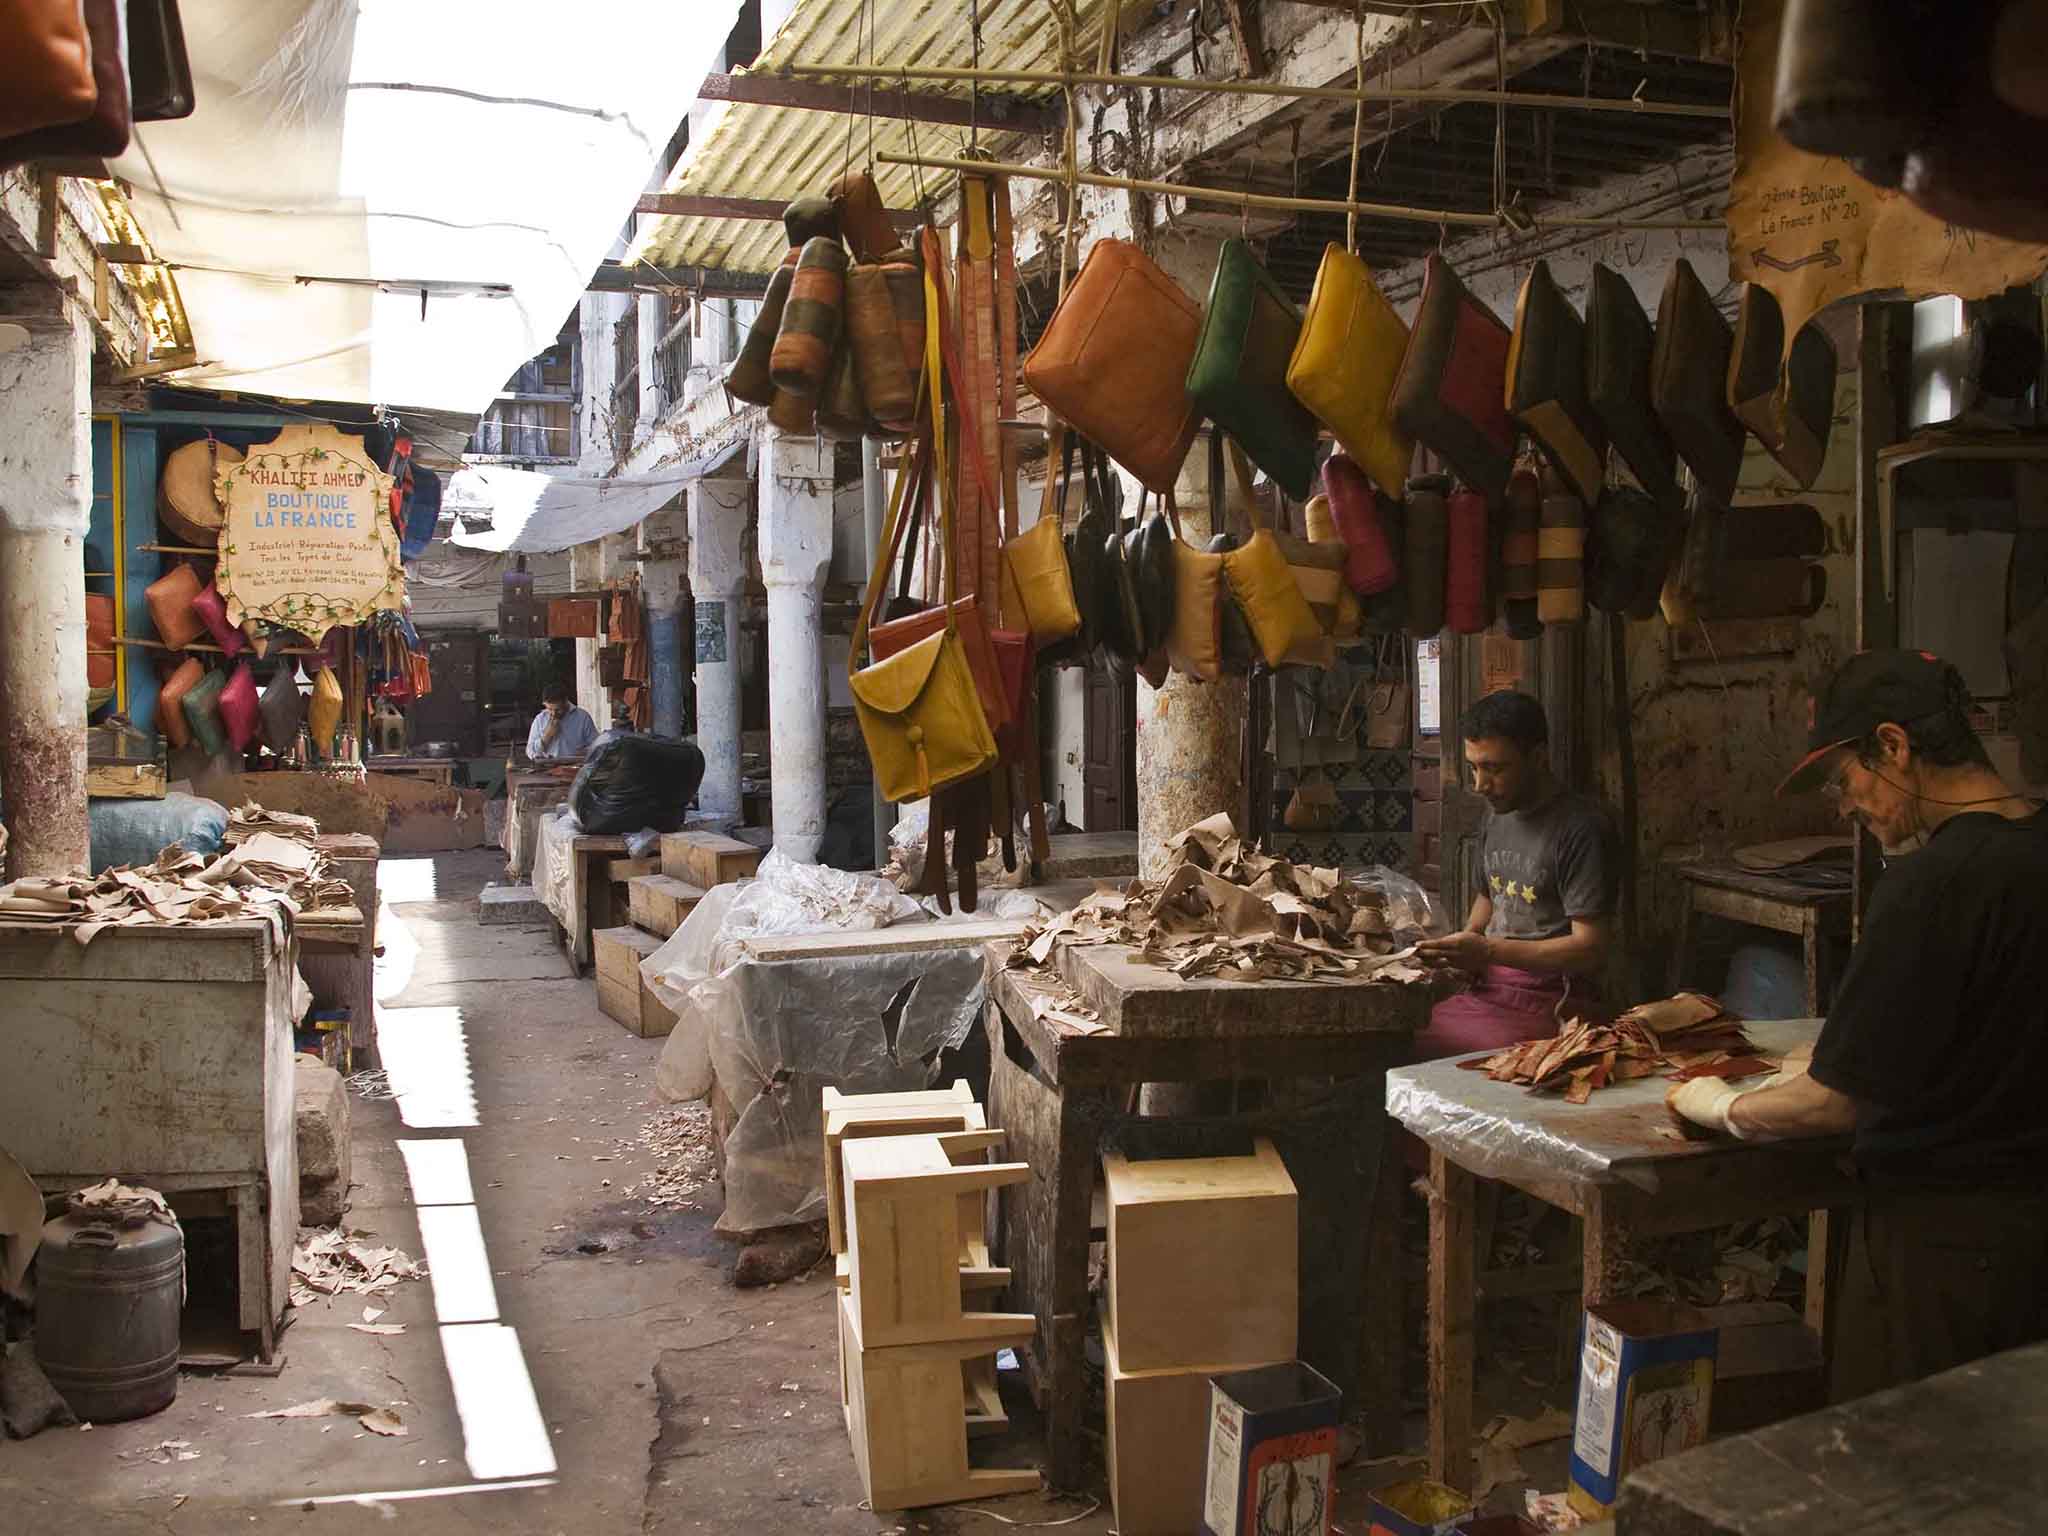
(511, 906)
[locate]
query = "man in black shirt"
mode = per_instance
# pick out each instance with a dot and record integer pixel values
(1936, 1051)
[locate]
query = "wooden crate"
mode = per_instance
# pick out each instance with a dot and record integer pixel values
(620, 990)
(886, 1114)
(904, 1242)
(906, 1413)
(1158, 1442)
(1203, 1259)
(706, 859)
(659, 903)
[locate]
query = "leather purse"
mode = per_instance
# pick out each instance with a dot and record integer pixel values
(1262, 582)
(159, 70)
(1037, 563)
(1250, 329)
(862, 218)
(1788, 402)
(202, 713)
(977, 644)
(1370, 565)
(1148, 556)
(748, 378)
(1449, 395)
(170, 599)
(1089, 557)
(283, 709)
(103, 131)
(323, 712)
(1547, 382)
(920, 712)
(1114, 359)
(213, 613)
(1689, 382)
(1619, 345)
(240, 714)
(170, 701)
(1194, 646)
(1345, 364)
(1317, 568)
(46, 69)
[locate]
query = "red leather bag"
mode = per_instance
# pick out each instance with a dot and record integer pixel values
(1369, 564)
(212, 609)
(241, 714)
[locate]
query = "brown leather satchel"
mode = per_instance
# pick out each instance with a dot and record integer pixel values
(862, 219)
(103, 131)
(46, 69)
(1114, 359)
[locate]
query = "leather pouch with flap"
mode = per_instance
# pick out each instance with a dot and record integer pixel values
(1449, 394)
(1547, 382)
(1791, 407)
(1689, 382)
(1239, 375)
(1619, 343)
(1345, 363)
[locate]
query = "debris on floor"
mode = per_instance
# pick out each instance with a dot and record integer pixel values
(163, 1453)
(782, 1253)
(373, 1085)
(381, 1421)
(339, 1262)
(680, 1139)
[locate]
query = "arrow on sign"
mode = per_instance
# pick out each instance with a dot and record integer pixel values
(1826, 256)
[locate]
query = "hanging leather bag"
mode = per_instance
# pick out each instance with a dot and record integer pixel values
(240, 716)
(1522, 515)
(1037, 562)
(1619, 346)
(1250, 330)
(1547, 382)
(1449, 394)
(1787, 402)
(212, 610)
(1345, 364)
(862, 219)
(1689, 382)
(1387, 712)
(1114, 360)
(748, 378)
(1629, 551)
(1261, 578)
(323, 712)
(46, 69)
(888, 378)
(808, 335)
(170, 701)
(159, 70)
(1426, 554)
(202, 713)
(919, 710)
(171, 599)
(103, 131)
(1370, 565)
(283, 709)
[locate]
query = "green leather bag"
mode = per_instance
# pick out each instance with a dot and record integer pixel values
(1239, 374)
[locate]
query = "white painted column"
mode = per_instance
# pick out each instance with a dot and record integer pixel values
(45, 509)
(796, 548)
(718, 568)
(664, 579)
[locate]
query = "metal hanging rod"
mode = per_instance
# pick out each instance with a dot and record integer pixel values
(1626, 106)
(1398, 211)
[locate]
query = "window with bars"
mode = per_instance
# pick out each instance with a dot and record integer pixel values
(672, 354)
(626, 373)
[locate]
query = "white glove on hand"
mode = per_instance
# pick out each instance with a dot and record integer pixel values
(1707, 1100)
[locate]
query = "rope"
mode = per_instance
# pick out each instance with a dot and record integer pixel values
(1357, 122)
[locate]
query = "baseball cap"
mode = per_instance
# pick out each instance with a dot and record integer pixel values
(1865, 692)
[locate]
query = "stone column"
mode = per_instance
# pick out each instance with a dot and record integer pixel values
(718, 569)
(1190, 747)
(796, 548)
(663, 582)
(45, 509)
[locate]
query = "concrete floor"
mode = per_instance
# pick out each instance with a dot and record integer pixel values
(667, 1401)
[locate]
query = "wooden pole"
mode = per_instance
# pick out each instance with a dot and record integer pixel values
(1395, 211)
(1440, 96)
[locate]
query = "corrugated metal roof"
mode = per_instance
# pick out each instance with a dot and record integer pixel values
(781, 154)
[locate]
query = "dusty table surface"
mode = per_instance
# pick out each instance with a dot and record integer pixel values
(1502, 1130)
(1134, 997)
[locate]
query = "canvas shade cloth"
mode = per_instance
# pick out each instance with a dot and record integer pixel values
(523, 512)
(481, 157)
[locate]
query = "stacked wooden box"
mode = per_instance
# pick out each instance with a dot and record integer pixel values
(1203, 1279)
(906, 1181)
(657, 894)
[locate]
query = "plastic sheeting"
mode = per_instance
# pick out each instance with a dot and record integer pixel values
(1503, 1131)
(554, 866)
(773, 1035)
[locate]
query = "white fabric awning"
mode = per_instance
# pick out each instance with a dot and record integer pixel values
(447, 175)
(524, 512)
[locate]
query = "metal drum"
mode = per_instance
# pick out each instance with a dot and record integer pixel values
(109, 1291)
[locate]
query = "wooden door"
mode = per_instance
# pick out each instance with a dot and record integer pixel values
(1109, 768)
(454, 711)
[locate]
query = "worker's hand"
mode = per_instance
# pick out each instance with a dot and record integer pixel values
(1706, 1101)
(1463, 951)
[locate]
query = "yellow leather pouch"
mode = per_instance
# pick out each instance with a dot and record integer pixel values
(1345, 363)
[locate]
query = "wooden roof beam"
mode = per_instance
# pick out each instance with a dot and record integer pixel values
(689, 205)
(643, 277)
(998, 111)
(1679, 33)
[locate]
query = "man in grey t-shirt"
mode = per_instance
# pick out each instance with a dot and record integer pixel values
(1539, 929)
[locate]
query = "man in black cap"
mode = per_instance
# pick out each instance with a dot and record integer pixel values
(1935, 1053)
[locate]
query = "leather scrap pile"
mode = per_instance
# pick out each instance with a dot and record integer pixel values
(1690, 1035)
(269, 877)
(247, 820)
(1228, 909)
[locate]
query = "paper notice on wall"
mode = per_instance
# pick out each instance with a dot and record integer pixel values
(1812, 231)
(308, 541)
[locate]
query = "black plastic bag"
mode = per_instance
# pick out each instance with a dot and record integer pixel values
(629, 781)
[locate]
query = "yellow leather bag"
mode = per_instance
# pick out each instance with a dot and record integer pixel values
(1036, 562)
(919, 711)
(323, 715)
(1345, 363)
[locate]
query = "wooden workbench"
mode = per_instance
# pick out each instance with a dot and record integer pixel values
(1608, 1162)
(1817, 916)
(434, 770)
(590, 893)
(528, 793)
(162, 1056)
(1308, 1057)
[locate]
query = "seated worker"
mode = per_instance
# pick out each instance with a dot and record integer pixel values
(1936, 1049)
(560, 731)
(1537, 935)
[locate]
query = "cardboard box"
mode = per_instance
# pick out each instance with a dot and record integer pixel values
(1646, 1389)
(1204, 1259)
(1272, 1454)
